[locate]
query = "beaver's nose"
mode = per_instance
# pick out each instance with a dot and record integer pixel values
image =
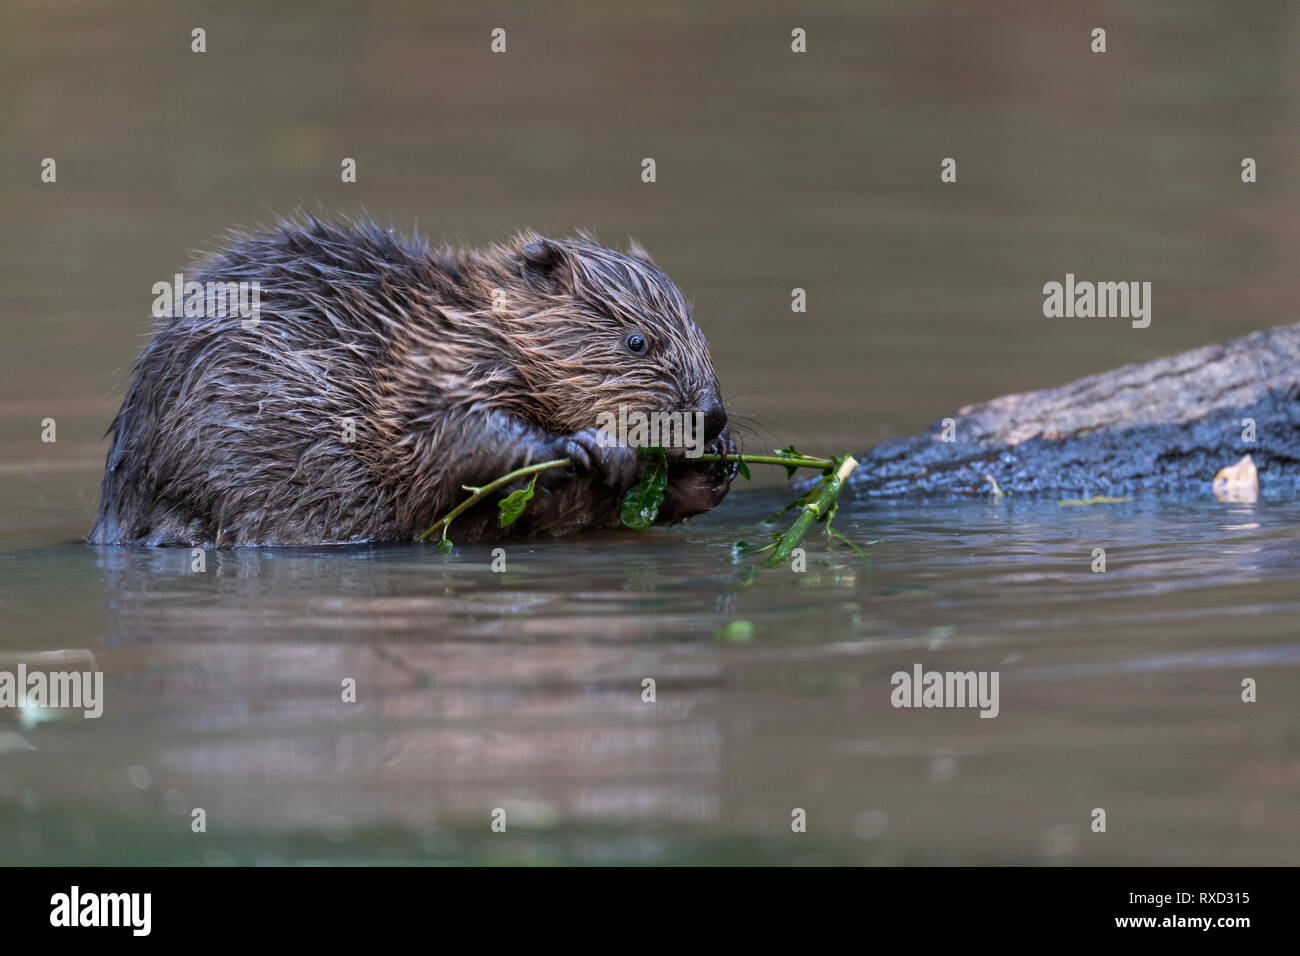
(715, 420)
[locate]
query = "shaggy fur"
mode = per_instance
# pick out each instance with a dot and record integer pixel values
(231, 436)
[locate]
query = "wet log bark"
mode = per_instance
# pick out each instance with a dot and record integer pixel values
(1163, 426)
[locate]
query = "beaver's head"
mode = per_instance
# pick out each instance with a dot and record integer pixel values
(589, 330)
(591, 334)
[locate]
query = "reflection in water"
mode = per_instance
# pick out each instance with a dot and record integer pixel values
(473, 689)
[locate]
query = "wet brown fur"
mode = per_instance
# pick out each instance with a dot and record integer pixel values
(456, 366)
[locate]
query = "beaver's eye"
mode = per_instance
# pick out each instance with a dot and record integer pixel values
(636, 343)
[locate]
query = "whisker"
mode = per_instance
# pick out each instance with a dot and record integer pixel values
(760, 295)
(723, 328)
(711, 316)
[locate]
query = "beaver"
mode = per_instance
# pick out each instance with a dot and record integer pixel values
(380, 377)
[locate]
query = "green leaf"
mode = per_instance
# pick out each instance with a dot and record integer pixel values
(839, 537)
(444, 545)
(743, 548)
(793, 452)
(735, 632)
(743, 468)
(512, 505)
(642, 501)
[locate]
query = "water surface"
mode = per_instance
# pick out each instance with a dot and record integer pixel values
(523, 690)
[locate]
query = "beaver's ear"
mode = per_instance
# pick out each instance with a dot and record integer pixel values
(636, 251)
(543, 264)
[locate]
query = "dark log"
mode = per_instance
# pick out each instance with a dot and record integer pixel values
(1164, 426)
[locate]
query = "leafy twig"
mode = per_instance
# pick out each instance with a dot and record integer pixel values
(481, 493)
(819, 505)
(640, 505)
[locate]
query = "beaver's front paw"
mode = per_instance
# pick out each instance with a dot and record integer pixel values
(616, 466)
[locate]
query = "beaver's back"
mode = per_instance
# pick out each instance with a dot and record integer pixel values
(232, 435)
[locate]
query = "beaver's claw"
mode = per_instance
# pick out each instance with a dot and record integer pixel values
(616, 466)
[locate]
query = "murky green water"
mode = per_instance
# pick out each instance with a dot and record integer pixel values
(522, 690)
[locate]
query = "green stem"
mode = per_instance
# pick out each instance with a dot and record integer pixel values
(490, 487)
(481, 493)
(803, 461)
(812, 511)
